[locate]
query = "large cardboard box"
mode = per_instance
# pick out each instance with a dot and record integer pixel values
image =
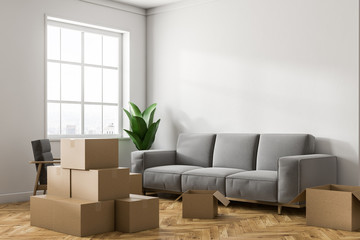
(333, 206)
(58, 181)
(72, 216)
(100, 184)
(87, 154)
(136, 213)
(201, 203)
(136, 183)
(41, 211)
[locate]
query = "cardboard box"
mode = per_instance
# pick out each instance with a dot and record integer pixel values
(87, 154)
(136, 213)
(201, 203)
(41, 211)
(100, 184)
(333, 206)
(58, 181)
(72, 216)
(136, 183)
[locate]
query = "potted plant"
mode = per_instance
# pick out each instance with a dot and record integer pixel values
(143, 127)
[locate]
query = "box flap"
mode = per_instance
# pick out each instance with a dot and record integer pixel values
(221, 198)
(345, 188)
(357, 195)
(324, 187)
(301, 197)
(182, 195)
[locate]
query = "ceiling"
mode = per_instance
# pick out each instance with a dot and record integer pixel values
(147, 3)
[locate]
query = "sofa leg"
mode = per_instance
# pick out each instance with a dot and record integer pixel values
(279, 210)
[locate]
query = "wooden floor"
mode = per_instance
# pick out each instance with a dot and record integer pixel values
(237, 221)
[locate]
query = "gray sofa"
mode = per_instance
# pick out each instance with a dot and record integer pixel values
(264, 168)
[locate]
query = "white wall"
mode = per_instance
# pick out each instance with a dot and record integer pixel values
(22, 93)
(282, 66)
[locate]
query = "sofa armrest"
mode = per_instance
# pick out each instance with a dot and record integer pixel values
(296, 173)
(141, 160)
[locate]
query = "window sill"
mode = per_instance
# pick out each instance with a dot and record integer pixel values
(57, 139)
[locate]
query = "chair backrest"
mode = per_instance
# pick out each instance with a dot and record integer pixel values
(235, 150)
(42, 152)
(195, 149)
(273, 146)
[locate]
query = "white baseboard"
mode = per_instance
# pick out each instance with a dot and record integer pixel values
(17, 197)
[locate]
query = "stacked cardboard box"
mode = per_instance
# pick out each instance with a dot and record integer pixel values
(89, 194)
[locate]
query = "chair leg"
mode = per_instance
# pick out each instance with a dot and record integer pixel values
(37, 178)
(279, 210)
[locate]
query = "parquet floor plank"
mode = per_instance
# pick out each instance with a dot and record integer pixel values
(238, 221)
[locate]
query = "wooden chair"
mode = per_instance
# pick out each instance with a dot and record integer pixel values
(43, 158)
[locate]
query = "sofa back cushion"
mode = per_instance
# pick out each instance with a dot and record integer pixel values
(235, 150)
(273, 146)
(195, 149)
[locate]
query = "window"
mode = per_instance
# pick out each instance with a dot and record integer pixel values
(84, 80)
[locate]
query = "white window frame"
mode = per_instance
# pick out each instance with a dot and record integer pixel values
(123, 70)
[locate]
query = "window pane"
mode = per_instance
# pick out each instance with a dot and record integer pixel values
(70, 119)
(111, 51)
(53, 81)
(92, 84)
(70, 45)
(92, 48)
(110, 114)
(83, 83)
(110, 86)
(53, 118)
(53, 43)
(70, 82)
(92, 119)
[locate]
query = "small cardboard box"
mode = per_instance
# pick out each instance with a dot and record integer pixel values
(136, 213)
(136, 183)
(100, 184)
(333, 206)
(72, 216)
(58, 181)
(87, 154)
(201, 203)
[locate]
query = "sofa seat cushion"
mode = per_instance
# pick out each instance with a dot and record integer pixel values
(207, 179)
(166, 177)
(258, 185)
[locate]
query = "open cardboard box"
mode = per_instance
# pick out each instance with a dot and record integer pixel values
(332, 206)
(201, 203)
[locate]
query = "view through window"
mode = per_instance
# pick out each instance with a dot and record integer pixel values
(83, 80)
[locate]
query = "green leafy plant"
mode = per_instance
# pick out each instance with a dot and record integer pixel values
(143, 127)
